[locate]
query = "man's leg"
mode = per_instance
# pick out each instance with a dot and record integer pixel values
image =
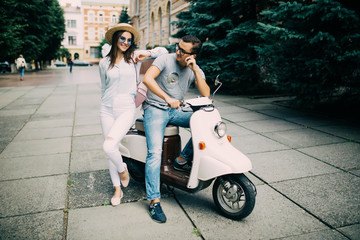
(182, 119)
(155, 121)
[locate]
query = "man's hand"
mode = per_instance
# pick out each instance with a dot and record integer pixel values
(190, 62)
(173, 103)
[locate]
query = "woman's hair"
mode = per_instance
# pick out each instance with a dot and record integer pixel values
(114, 49)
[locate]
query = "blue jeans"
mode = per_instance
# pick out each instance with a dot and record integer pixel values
(155, 121)
(22, 70)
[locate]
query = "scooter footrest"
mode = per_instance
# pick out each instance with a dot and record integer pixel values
(170, 130)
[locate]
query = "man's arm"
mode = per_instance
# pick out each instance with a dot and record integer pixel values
(200, 82)
(149, 80)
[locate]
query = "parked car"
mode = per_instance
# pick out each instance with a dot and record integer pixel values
(59, 63)
(5, 67)
(81, 63)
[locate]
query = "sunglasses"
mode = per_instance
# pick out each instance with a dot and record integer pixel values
(128, 41)
(182, 51)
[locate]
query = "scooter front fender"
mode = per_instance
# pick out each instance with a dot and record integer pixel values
(213, 165)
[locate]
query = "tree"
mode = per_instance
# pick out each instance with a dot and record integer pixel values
(34, 28)
(312, 49)
(228, 31)
(124, 16)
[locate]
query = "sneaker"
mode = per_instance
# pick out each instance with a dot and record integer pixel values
(156, 213)
(182, 167)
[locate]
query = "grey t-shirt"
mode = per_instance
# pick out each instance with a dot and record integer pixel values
(170, 69)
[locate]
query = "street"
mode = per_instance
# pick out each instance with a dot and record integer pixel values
(55, 183)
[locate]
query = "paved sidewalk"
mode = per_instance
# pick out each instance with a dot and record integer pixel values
(55, 184)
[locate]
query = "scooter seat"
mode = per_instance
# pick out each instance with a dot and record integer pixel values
(170, 130)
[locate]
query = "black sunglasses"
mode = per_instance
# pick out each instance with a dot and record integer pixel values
(182, 51)
(129, 41)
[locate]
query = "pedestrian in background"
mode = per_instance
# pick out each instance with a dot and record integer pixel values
(119, 71)
(21, 66)
(70, 62)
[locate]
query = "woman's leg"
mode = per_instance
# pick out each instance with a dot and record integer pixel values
(120, 127)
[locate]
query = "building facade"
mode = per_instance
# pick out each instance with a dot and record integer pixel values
(86, 24)
(99, 16)
(74, 25)
(153, 20)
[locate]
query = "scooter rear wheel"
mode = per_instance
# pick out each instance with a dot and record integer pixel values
(234, 195)
(136, 169)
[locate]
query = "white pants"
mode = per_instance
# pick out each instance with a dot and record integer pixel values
(115, 123)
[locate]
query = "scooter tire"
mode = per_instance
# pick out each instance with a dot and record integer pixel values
(234, 195)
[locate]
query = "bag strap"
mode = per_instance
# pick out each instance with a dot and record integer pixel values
(135, 72)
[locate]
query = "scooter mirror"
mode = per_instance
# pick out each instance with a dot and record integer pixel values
(217, 80)
(173, 78)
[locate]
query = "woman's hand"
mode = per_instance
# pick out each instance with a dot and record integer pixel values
(142, 56)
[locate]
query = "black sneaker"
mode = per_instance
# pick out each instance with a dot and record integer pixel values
(156, 213)
(184, 167)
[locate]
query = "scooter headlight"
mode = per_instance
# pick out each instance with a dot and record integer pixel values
(220, 129)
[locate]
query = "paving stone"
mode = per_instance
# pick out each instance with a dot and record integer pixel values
(95, 189)
(87, 161)
(244, 116)
(84, 143)
(43, 133)
(83, 130)
(352, 231)
(300, 138)
(256, 143)
(131, 221)
(347, 131)
(325, 234)
(343, 155)
(334, 198)
(270, 125)
(52, 123)
(32, 195)
(287, 164)
(37, 147)
(34, 166)
(273, 217)
(42, 226)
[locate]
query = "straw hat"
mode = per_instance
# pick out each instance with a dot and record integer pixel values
(122, 26)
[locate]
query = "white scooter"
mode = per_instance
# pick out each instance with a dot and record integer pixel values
(214, 158)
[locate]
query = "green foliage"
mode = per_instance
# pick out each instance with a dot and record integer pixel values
(62, 53)
(124, 16)
(228, 31)
(34, 28)
(311, 49)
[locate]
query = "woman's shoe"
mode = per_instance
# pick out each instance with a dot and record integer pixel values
(126, 178)
(117, 201)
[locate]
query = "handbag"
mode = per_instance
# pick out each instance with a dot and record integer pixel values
(141, 91)
(140, 96)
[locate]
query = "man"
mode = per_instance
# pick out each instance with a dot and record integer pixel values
(168, 80)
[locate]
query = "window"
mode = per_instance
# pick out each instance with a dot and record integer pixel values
(94, 52)
(91, 17)
(71, 40)
(101, 17)
(91, 34)
(113, 18)
(101, 34)
(71, 23)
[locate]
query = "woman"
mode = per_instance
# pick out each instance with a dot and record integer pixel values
(118, 73)
(21, 66)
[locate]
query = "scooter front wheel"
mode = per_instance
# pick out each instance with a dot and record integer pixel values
(234, 195)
